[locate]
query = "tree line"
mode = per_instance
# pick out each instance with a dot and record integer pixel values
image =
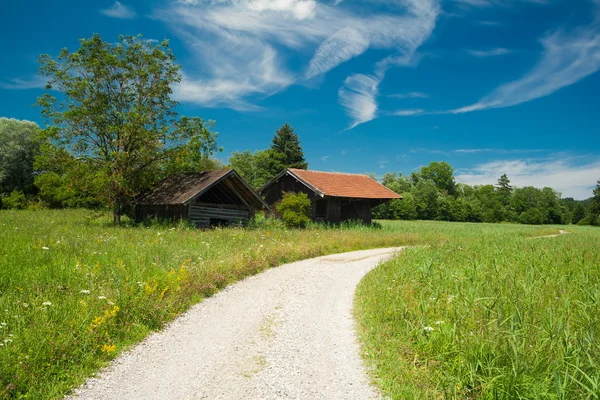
(431, 193)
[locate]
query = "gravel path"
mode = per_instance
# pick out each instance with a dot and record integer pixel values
(287, 333)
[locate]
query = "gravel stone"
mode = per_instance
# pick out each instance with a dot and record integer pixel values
(287, 333)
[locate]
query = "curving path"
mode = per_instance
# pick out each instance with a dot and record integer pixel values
(287, 333)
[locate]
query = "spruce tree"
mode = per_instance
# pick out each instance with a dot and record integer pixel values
(504, 189)
(286, 142)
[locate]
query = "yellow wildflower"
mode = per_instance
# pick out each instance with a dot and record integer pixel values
(108, 348)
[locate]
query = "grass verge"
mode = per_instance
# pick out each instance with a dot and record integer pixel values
(486, 314)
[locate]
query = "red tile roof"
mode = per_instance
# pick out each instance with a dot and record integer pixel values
(345, 185)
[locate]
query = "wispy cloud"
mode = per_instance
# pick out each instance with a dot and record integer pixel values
(407, 113)
(242, 48)
(406, 33)
(571, 179)
(35, 82)
(488, 53)
(118, 10)
(358, 98)
(490, 3)
(497, 151)
(325, 158)
(410, 95)
(567, 58)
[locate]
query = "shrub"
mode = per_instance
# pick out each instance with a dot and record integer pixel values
(260, 221)
(533, 216)
(294, 208)
(15, 201)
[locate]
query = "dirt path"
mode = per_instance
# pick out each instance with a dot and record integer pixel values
(560, 232)
(287, 333)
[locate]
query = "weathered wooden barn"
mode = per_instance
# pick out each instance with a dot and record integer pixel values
(335, 197)
(205, 198)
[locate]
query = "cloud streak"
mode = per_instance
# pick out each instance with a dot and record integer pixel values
(118, 10)
(567, 58)
(35, 82)
(488, 53)
(242, 49)
(570, 179)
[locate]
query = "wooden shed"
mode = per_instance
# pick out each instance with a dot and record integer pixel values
(334, 196)
(204, 198)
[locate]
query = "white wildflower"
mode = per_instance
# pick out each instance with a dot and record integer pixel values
(428, 329)
(47, 303)
(433, 298)
(439, 322)
(101, 297)
(45, 248)
(84, 291)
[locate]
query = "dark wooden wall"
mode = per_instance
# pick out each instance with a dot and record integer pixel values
(286, 183)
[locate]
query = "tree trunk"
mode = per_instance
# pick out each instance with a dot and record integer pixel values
(117, 215)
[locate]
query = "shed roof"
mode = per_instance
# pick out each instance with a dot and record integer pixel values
(338, 184)
(183, 188)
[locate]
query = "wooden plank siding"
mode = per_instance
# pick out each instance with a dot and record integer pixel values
(206, 215)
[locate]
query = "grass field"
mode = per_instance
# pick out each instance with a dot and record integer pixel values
(486, 312)
(75, 291)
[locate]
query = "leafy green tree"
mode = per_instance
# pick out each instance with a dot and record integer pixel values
(287, 143)
(445, 208)
(405, 208)
(259, 167)
(294, 208)
(396, 183)
(441, 173)
(16, 200)
(426, 197)
(578, 212)
(18, 148)
(116, 116)
(595, 206)
(532, 216)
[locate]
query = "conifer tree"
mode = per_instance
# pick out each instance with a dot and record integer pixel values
(287, 143)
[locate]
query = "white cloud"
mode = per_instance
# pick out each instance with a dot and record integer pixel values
(118, 10)
(490, 3)
(300, 8)
(563, 175)
(567, 59)
(489, 53)
(324, 158)
(35, 82)
(358, 98)
(243, 48)
(499, 151)
(407, 113)
(410, 95)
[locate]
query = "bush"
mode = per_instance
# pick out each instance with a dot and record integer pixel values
(533, 216)
(589, 220)
(15, 201)
(294, 208)
(260, 221)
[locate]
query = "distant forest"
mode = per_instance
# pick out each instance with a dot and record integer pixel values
(433, 194)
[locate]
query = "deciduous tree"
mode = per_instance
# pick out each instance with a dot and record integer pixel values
(116, 116)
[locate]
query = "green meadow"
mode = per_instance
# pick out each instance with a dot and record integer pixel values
(467, 311)
(486, 312)
(75, 291)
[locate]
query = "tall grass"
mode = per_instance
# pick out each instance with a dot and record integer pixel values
(486, 313)
(75, 291)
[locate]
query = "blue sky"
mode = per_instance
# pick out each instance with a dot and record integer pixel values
(491, 86)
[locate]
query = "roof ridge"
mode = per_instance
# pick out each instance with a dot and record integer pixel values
(330, 172)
